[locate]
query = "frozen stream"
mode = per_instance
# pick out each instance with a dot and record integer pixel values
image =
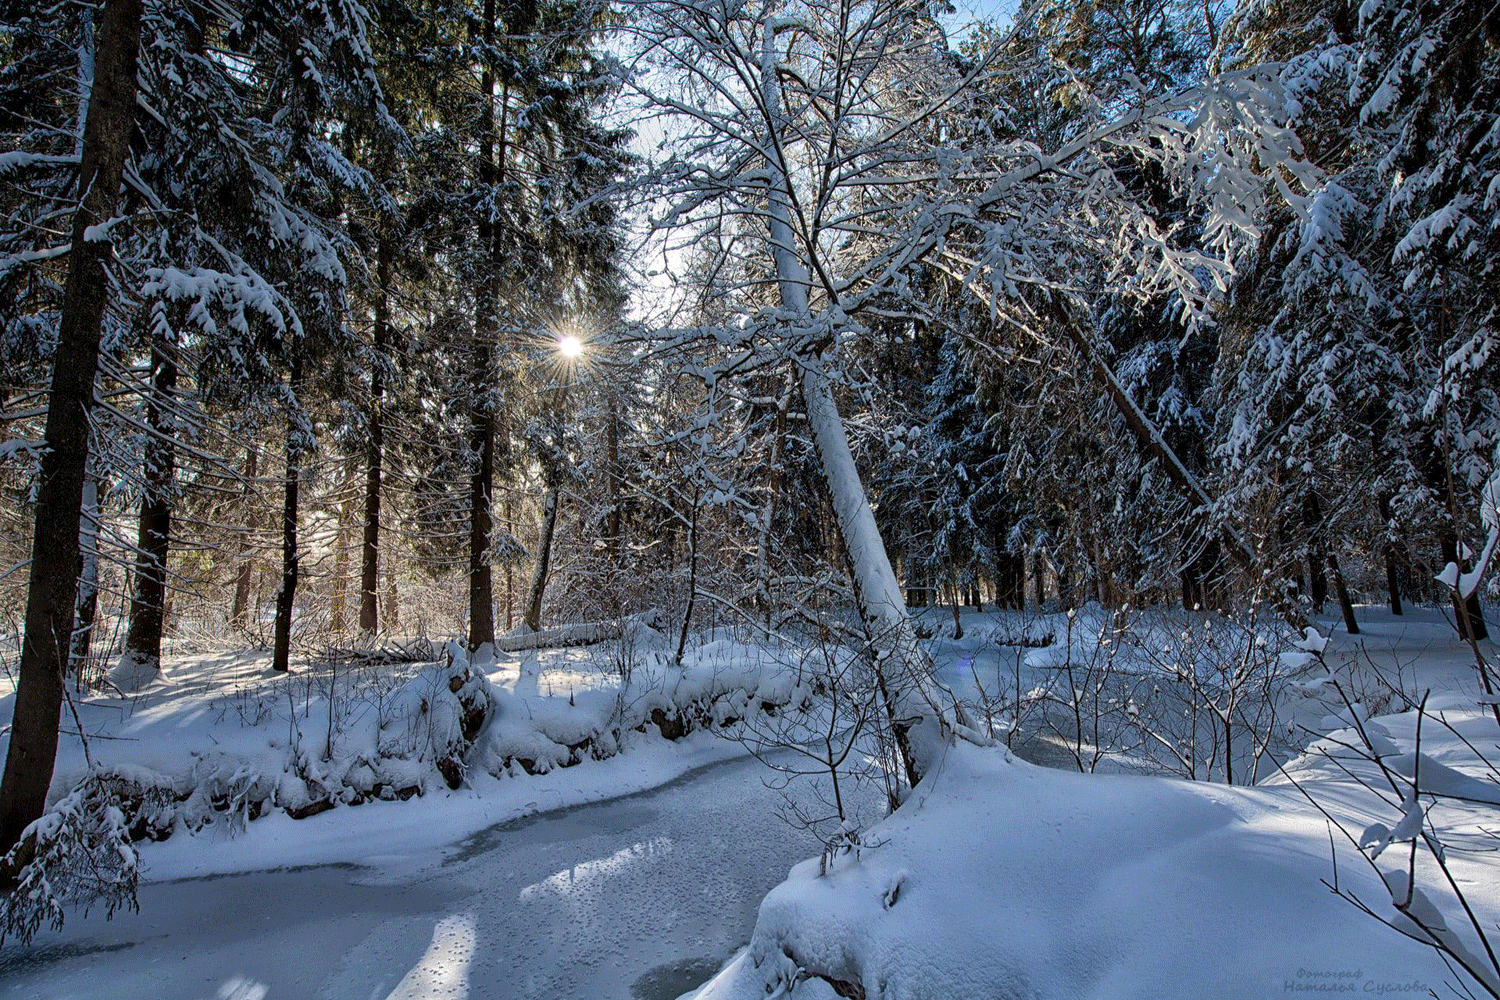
(642, 896)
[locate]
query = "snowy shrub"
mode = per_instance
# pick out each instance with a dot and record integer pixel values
(840, 741)
(1437, 814)
(223, 786)
(77, 854)
(437, 715)
(1182, 692)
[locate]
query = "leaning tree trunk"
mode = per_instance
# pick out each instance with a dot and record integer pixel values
(1341, 589)
(876, 591)
(153, 538)
(281, 652)
(52, 583)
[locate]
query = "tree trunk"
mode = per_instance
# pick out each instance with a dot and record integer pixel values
(543, 563)
(88, 577)
(1392, 555)
(877, 594)
(1342, 591)
(53, 586)
(1392, 579)
(153, 539)
(244, 571)
(339, 600)
(487, 328)
(392, 603)
(1467, 613)
(687, 615)
(1317, 578)
(510, 568)
(958, 600)
(282, 649)
(613, 521)
(1039, 575)
(768, 511)
(338, 618)
(369, 558)
(1012, 581)
(481, 486)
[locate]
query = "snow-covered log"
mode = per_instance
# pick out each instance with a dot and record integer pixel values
(577, 634)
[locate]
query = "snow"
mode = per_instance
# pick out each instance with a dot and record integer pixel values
(233, 748)
(1000, 878)
(639, 875)
(1174, 870)
(447, 897)
(225, 739)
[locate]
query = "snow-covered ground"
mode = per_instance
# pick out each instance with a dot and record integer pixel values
(1002, 879)
(996, 879)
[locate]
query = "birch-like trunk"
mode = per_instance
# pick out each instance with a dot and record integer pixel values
(876, 591)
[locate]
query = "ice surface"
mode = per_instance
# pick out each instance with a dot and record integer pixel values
(602, 901)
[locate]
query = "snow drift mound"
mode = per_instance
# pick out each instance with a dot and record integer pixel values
(998, 879)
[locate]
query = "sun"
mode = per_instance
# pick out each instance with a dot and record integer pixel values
(569, 346)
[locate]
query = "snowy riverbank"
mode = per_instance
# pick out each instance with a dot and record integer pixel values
(996, 878)
(1002, 879)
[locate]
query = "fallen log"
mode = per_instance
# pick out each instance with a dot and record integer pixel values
(577, 634)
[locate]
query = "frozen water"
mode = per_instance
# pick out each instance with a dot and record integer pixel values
(636, 898)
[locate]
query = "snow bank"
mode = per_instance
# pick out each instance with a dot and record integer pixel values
(718, 684)
(1001, 879)
(218, 743)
